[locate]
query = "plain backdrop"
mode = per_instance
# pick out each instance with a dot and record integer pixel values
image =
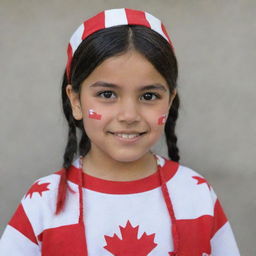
(215, 46)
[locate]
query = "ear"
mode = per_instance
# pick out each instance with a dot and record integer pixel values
(75, 102)
(172, 96)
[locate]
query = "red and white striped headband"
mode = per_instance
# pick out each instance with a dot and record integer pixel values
(111, 18)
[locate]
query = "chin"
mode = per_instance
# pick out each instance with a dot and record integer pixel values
(128, 157)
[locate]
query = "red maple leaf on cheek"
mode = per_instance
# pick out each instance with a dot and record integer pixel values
(130, 244)
(37, 188)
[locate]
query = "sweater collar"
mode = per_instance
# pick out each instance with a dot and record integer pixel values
(167, 167)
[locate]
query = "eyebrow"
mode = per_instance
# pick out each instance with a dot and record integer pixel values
(115, 86)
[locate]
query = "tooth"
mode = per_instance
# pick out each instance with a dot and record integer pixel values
(127, 136)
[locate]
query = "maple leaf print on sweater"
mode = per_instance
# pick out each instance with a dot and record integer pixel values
(130, 244)
(37, 188)
(201, 180)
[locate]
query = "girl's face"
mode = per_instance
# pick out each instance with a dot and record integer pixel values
(123, 104)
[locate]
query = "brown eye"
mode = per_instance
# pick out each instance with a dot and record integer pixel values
(150, 96)
(106, 94)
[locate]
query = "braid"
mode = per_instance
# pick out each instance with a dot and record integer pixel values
(84, 145)
(171, 138)
(70, 150)
(71, 147)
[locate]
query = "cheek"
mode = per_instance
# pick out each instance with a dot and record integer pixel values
(99, 114)
(92, 114)
(157, 121)
(162, 119)
(94, 120)
(159, 116)
(162, 114)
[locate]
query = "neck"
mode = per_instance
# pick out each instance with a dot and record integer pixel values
(110, 169)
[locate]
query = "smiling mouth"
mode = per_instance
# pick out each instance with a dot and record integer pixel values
(127, 135)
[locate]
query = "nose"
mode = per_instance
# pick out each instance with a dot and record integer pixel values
(128, 111)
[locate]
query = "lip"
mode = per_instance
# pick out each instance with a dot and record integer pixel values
(127, 140)
(127, 132)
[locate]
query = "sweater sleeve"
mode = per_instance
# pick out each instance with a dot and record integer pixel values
(18, 238)
(37, 207)
(223, 241)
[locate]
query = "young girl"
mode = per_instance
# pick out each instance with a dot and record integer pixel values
(114, 196)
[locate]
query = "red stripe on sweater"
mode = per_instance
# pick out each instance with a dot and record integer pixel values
(219, 217)
(123, 187)
(20, 222)
(66, 240)
(195, 235)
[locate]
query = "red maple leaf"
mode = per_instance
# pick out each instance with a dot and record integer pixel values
(201, 180)
(130, 244)
(37, 188)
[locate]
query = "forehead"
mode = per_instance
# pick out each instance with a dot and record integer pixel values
(130, 69)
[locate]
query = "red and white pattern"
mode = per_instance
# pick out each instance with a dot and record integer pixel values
(93, 115)
(120, 218)
(110, 18)
(162, 119)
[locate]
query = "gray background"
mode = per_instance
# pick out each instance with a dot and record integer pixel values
(215, 46)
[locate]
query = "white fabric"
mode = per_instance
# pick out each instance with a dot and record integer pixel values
(155, 24)
(229, 248)
(115, 17)
(13, 243)
(76, 38)
(186, 199)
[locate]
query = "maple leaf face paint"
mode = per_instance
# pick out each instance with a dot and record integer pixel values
(93, 115)
(162, 119)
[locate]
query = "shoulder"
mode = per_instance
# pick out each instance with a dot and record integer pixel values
(39, 202)
(42, 189)
(41, 198)
(191, 193)
(182, 175)
(189, 176)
